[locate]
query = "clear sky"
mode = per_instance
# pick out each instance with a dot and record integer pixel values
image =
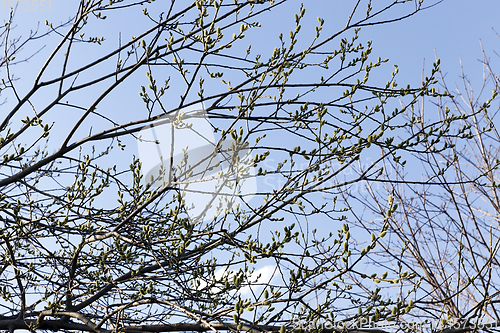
(452, 30)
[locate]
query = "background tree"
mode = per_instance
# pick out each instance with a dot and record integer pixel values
(77, 256)
(446, 227)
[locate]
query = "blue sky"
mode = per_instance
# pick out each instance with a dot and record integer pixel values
(452, 30)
